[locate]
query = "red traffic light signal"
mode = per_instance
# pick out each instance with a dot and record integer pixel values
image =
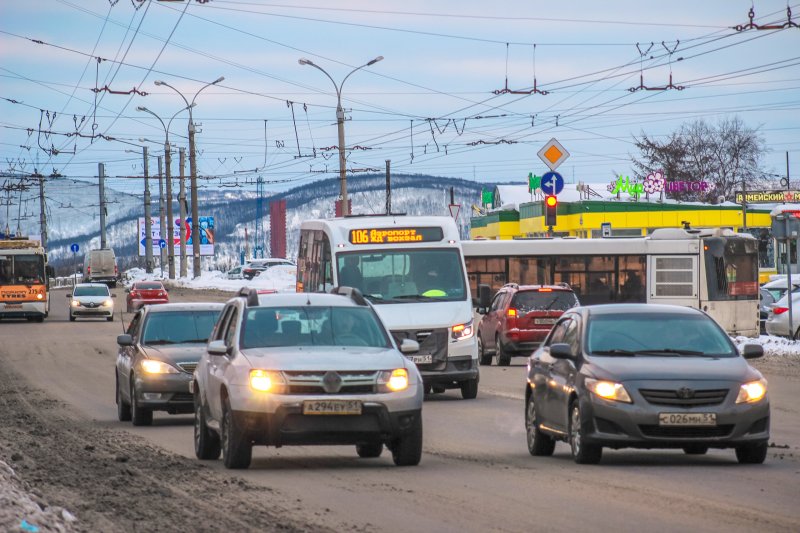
(550, 210)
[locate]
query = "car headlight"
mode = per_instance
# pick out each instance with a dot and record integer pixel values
(108, 303)
(752, 392)
(393, 380)
(75, 303)
(461, 332)
(608, 390)
(151, 366)
(267, 381)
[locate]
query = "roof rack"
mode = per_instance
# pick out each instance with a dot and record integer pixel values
(512, 285)
(250, 295)
(351, 292)
(564, 284)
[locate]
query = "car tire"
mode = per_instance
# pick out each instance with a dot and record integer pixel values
(539, 444)
(123, 409)
(469, 389)
(485, 360)
(503, 359)
(752, 454)
(237, 450)
(207, 445)
(695, 449)
(72, 318)
(427, 389)
(369, 450)
(582, 453)
(140, 416)
(407, 450)
(110, 318)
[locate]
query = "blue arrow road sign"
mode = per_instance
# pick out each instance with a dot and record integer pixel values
(162, 243)
(552, 183)
(74, 247)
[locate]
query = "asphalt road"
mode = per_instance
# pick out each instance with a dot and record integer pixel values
(476, 473)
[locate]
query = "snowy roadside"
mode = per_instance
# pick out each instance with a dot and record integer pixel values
(277, 278)
(781, 355)
(23, 509)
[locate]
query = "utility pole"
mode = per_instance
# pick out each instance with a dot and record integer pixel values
(744, 206)
(42, 213)
(162, 221)
(195, 210)
(388, 187)
(342, 160)
(148, 223)
(167, 233)
(101, 173)
(182, 207)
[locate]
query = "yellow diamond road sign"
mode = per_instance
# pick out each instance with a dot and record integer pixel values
(553, 154)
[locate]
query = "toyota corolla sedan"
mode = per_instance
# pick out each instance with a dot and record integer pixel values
(644, 376)
(157, 356)
(305, 369)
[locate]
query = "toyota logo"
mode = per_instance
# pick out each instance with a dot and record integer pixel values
(685, 393)
(331, 382)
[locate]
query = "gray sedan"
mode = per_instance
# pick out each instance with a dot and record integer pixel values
(644, 376)
(157, 356)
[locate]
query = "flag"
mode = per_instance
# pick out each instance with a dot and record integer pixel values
(534, 182)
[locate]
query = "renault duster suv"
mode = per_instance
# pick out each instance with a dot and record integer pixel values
(300, 369)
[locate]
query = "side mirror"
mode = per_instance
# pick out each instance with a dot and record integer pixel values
(217, 348)
(409, 346)
(124, 340)
(753, 351)
(561, 350)
(484, 296)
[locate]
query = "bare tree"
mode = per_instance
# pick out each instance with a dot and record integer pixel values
(724, 155)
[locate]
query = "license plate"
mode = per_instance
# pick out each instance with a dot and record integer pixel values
(332, 407)
(421, 359)
(687, 419)
(13, 306)
(544, 321)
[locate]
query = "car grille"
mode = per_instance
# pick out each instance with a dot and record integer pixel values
(312, 382)
(187, 367)
(679, 397)
(182, 397)
(686, 432)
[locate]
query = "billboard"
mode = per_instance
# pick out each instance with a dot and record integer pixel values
(206, 235)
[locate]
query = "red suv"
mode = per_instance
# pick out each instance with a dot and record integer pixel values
(519, 318)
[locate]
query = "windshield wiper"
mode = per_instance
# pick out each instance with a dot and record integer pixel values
(194, 341)
(614, 351)
(670, 351)
(413, 297)
(157, 342)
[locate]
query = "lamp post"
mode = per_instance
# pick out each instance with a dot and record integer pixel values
(167, 232)
(193, 174)
(340, 124)
(148, 228)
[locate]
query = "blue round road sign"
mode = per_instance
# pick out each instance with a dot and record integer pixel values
(552, 183)
(162, 243)
(74, 247)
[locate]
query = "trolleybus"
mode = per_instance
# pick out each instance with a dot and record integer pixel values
(24, 283)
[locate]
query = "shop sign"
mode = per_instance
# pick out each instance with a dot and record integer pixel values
(767, 197)
(655, 183)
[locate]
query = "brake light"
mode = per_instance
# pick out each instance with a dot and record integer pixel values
(88, 270)
(779, 310)
(511, 313)
(134, 294)
(116, 270)
(543, 289)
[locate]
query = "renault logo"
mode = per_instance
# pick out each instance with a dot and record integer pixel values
(331, 382)
(685, 393)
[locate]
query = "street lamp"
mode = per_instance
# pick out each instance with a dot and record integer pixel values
(340, 124)
(148, 229)
(193, 172)
(168, 229)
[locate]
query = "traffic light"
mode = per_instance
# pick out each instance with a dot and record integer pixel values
(550, 210)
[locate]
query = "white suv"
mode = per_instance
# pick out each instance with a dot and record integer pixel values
(300, 369)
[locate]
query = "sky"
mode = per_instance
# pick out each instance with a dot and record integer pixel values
(430, 106)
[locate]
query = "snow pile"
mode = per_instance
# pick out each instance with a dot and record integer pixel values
(278, 278)
(777, 348)
(22, 510)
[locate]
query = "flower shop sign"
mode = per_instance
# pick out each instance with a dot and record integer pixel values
(656, 183)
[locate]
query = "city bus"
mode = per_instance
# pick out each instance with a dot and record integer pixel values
(24, 283)
(412, 270)
(715, 270)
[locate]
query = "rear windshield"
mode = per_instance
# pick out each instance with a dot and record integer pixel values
(178, 327)
(91, 291)
(528, 301)
(266, 327)
(148, 286)
(658, 334)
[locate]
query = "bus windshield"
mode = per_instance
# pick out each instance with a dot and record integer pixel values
(396, 276)
(27, 269)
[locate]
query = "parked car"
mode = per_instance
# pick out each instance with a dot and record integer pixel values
(302, 369)
(519, 318)
(157, 356)
(777, 322)
(235, 272)
(100, 266)
(766, 299)
(91, 300)
(254, 266)
(144, 293)
(778, 287)
(644, 376)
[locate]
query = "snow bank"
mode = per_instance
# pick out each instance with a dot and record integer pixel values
(778, 348)
(23, 510)
(278, 278)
